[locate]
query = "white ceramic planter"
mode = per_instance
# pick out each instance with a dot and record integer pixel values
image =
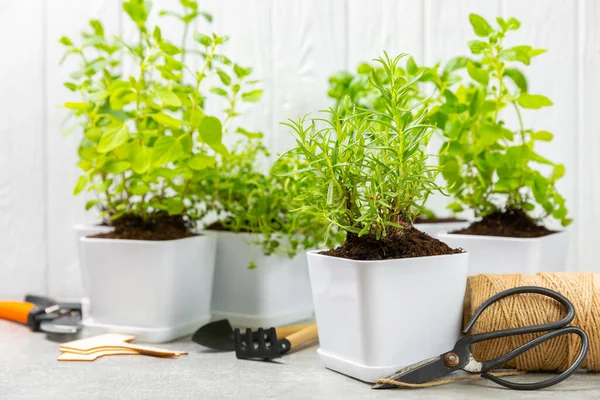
(504, 255)
(277, 292)
(376, 317)
(83, 230)
(156, 290)
(432, 229)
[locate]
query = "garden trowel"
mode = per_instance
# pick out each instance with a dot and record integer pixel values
(219, 335)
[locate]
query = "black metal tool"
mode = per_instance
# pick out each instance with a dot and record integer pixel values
(264, 344)
(219, 335)
(460, 357)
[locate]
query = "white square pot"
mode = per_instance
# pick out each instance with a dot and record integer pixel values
(505, 255)
(376, 317)
(432, 229)
(276, 292)
(83, 230)
(156, 290)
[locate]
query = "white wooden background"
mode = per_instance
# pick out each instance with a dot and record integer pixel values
(294, 45)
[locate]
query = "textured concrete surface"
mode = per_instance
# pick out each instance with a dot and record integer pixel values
(29, 370)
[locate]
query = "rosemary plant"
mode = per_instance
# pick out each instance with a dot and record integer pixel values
(366, 167)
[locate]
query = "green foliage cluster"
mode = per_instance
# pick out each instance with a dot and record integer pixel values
(490, 165)
(147, 139)
(248, 200)
(367, 167)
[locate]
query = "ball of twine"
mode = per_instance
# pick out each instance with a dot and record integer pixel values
(582, 289)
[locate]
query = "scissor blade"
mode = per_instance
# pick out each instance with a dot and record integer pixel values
(423, 371)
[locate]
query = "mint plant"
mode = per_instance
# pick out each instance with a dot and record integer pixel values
(491, 165)
(367, 168)
(147, 139)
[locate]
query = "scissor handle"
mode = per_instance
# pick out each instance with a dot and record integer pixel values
(491, 364)
(479, 337)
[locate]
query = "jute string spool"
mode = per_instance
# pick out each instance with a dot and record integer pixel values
(582, 289)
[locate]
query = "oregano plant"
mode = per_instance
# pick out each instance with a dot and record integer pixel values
(491, 162)
(367, 168)
(265, 204)
(147, 138)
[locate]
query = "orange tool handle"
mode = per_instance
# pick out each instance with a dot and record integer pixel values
(17, 311)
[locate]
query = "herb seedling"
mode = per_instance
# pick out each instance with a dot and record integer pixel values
(489, 165)
(147, 136)
(367, 167)
(265, 204)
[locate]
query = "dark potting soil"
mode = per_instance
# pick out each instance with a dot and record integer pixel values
(220, 226)
(508, 223)
(157, 227)
(399, 243)
(421, 220)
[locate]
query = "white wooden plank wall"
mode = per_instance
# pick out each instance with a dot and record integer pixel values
(293, 45)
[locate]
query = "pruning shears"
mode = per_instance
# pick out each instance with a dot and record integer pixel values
(43, 314)
(460, 357)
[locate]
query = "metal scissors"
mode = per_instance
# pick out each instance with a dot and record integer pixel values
(460, 357)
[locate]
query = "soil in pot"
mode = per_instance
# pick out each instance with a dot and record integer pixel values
(157, 227)
(398, 243)
(423, 220)
(508, 223)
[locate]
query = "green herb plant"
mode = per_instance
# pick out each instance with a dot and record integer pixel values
(367, 168)
(147, 138)
(265, 204)
(489, 164)
(357, 89)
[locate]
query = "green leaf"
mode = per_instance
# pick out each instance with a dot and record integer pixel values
(77, 106)
(477, 46)
(455, 64)
(71, 86)
(478, 74)
(455, 207)
(157, 34)
(113, 137)
(411, 66)
(517, 77)
(240, 71)
(81, 184)
(219, 91)
(90, 203)
(543, 136)
(136, 11)
(141, 160)
(203, 39)
(226, 79)
(138, 188)
(533, 101)
(222, 59)
(199, 162)
(117, 166)
(481, 27)
(66, 41)
(169, 48)
(211, 131)
(251, 135)
(167, 120)
(558, 172)
(566, 222)
(252, 96)
(166, 149)
(168, 98)
(97, 27)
